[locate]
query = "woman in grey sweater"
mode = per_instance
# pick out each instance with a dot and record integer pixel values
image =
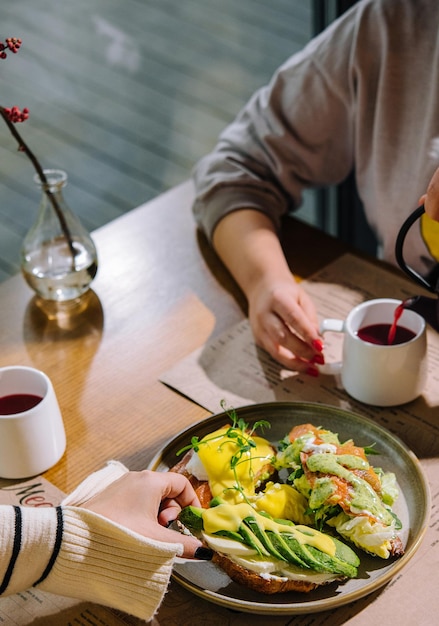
(363, 96)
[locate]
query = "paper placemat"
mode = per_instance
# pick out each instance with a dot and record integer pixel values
(232, 368)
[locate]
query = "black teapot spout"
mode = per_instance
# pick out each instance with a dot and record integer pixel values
(427, 307)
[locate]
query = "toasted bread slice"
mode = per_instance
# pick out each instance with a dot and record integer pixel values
(269, 584)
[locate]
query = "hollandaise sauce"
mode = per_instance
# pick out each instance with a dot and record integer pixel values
(230, 517)
(234, 462)
(268, 546)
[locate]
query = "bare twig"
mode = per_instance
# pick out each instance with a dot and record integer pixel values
(23, 147)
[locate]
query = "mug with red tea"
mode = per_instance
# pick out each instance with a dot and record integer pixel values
(32, 435)
(384, 355)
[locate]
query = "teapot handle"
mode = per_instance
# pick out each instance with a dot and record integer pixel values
(399, 247)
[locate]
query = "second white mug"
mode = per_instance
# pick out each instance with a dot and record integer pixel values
(32, 435)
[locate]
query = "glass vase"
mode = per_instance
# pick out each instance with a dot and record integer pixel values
(58, 256)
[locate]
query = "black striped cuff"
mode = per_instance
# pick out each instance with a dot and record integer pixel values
(56, 547)
(15, 550)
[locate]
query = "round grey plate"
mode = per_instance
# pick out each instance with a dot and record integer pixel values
(413, 508)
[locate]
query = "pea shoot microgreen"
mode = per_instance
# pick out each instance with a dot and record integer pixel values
(370, 450)
(241, 434)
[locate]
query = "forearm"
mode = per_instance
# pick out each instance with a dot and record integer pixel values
(282, 316)
(249, 246)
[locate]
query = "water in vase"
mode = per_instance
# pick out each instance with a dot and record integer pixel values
(55, 274)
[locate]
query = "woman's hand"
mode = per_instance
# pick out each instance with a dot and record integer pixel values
(282, 316)
(145, 502)
(431, 198)
(284, 322)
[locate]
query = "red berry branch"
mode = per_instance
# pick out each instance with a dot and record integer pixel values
(13, 116)
(11, 43)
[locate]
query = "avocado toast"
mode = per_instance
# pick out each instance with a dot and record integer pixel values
(257, 529)
(269, 556)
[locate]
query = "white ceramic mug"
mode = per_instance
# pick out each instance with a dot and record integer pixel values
(31, 439)
(380, 375)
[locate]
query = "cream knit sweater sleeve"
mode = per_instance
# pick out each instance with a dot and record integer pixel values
(73, 552)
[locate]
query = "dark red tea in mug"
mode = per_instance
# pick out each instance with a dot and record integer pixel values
(17, 403)
(379, 334)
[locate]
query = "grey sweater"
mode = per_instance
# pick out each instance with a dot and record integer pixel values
(363, 94)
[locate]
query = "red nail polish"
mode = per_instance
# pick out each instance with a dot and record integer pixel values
(319, 359)
(317, 344)
(312, 371)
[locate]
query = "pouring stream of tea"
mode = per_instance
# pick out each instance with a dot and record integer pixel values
(392, 331)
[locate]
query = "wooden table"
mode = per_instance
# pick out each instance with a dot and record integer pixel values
(160, 293)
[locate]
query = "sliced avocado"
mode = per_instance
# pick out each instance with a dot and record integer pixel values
(229, 534)
(252, 540)
(303, 553)
(263, 537)
(284, 522)
(216, 501)
(191, 517)
(345, 553)
(332, 564)
(344, 561)
(317, 560)
(282, 546)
